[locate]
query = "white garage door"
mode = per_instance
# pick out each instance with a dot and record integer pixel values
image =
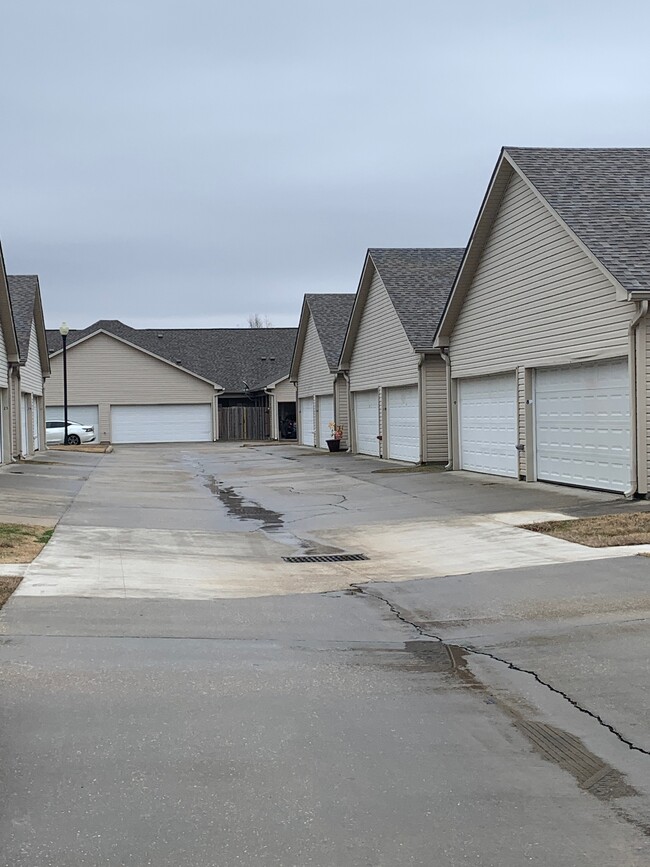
(403, 411)
(173, 423)
(325, 416)
(307, 421)
(84, 415)
(582, 416)
(487, 413)
(366, 422)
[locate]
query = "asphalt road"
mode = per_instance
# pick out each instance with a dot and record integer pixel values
(318, 728)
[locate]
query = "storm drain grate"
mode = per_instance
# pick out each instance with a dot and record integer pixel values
(324, 558)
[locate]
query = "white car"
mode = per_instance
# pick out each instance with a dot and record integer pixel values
(77, 433)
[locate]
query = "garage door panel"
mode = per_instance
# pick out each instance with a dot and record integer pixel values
(366, 422)
(307, 421)
(582, 424)
(487, 417)
(403, 423)
(161, 423)
(325, 416)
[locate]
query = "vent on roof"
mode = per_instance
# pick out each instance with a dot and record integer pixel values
(159, 334)
(271, 357)
(263, 358)
(178, 361)
(324, 558)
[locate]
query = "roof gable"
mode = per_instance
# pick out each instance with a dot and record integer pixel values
(600, 196)
(418, 282)
(27, 310)
(603, 196)
(231, 358)
(330, 313)
(7, 323)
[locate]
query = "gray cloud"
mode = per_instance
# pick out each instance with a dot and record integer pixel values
(193, 162)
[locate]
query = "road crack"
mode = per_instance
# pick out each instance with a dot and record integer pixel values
(394, 609)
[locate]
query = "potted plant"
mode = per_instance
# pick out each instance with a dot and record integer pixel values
(334, 442)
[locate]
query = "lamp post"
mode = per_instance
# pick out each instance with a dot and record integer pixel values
(63, 331)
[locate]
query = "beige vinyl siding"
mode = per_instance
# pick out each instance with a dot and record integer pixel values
(31, 375)
(105, 371)
(536, 298)
(382, 355)
(4, 364)
(314, 375)
(435, 404)
(285, 391)
(342, 408)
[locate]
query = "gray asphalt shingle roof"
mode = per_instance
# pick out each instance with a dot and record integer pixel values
(22, 292)
(603, 195)
(331, 314)
(226, 356)
(418, 282)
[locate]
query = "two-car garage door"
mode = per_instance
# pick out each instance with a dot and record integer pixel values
(161, 423)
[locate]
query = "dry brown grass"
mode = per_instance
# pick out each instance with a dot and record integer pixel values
(7, 587)
(20, 543)
(602, 531)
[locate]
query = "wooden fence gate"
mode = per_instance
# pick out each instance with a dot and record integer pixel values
(244, 423)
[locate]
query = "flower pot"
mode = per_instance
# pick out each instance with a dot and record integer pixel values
(334, 445)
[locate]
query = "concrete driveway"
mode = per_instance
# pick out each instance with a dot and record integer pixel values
(174, 692)
(206, 523)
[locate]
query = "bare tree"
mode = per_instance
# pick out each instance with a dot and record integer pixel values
(256, 320)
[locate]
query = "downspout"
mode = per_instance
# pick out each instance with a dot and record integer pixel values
(450, 438)
(632, 333)
(422, 408)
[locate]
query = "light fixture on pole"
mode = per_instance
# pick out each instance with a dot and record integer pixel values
(63, 331)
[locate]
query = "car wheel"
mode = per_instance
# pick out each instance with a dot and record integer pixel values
(74, 440)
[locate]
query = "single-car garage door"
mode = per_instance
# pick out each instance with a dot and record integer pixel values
(403, 422)
(366, 422)
(582, 425)
(173, 423)
(487, 424)
(307, 421)
(325, 416)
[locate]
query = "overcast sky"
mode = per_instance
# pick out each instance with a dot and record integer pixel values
(187, 163)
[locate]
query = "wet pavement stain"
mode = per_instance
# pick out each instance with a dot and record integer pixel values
(272, 522)
(450, 662)
(243, 510)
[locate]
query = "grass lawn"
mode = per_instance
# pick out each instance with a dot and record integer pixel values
(20, 543)
(602, 531)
